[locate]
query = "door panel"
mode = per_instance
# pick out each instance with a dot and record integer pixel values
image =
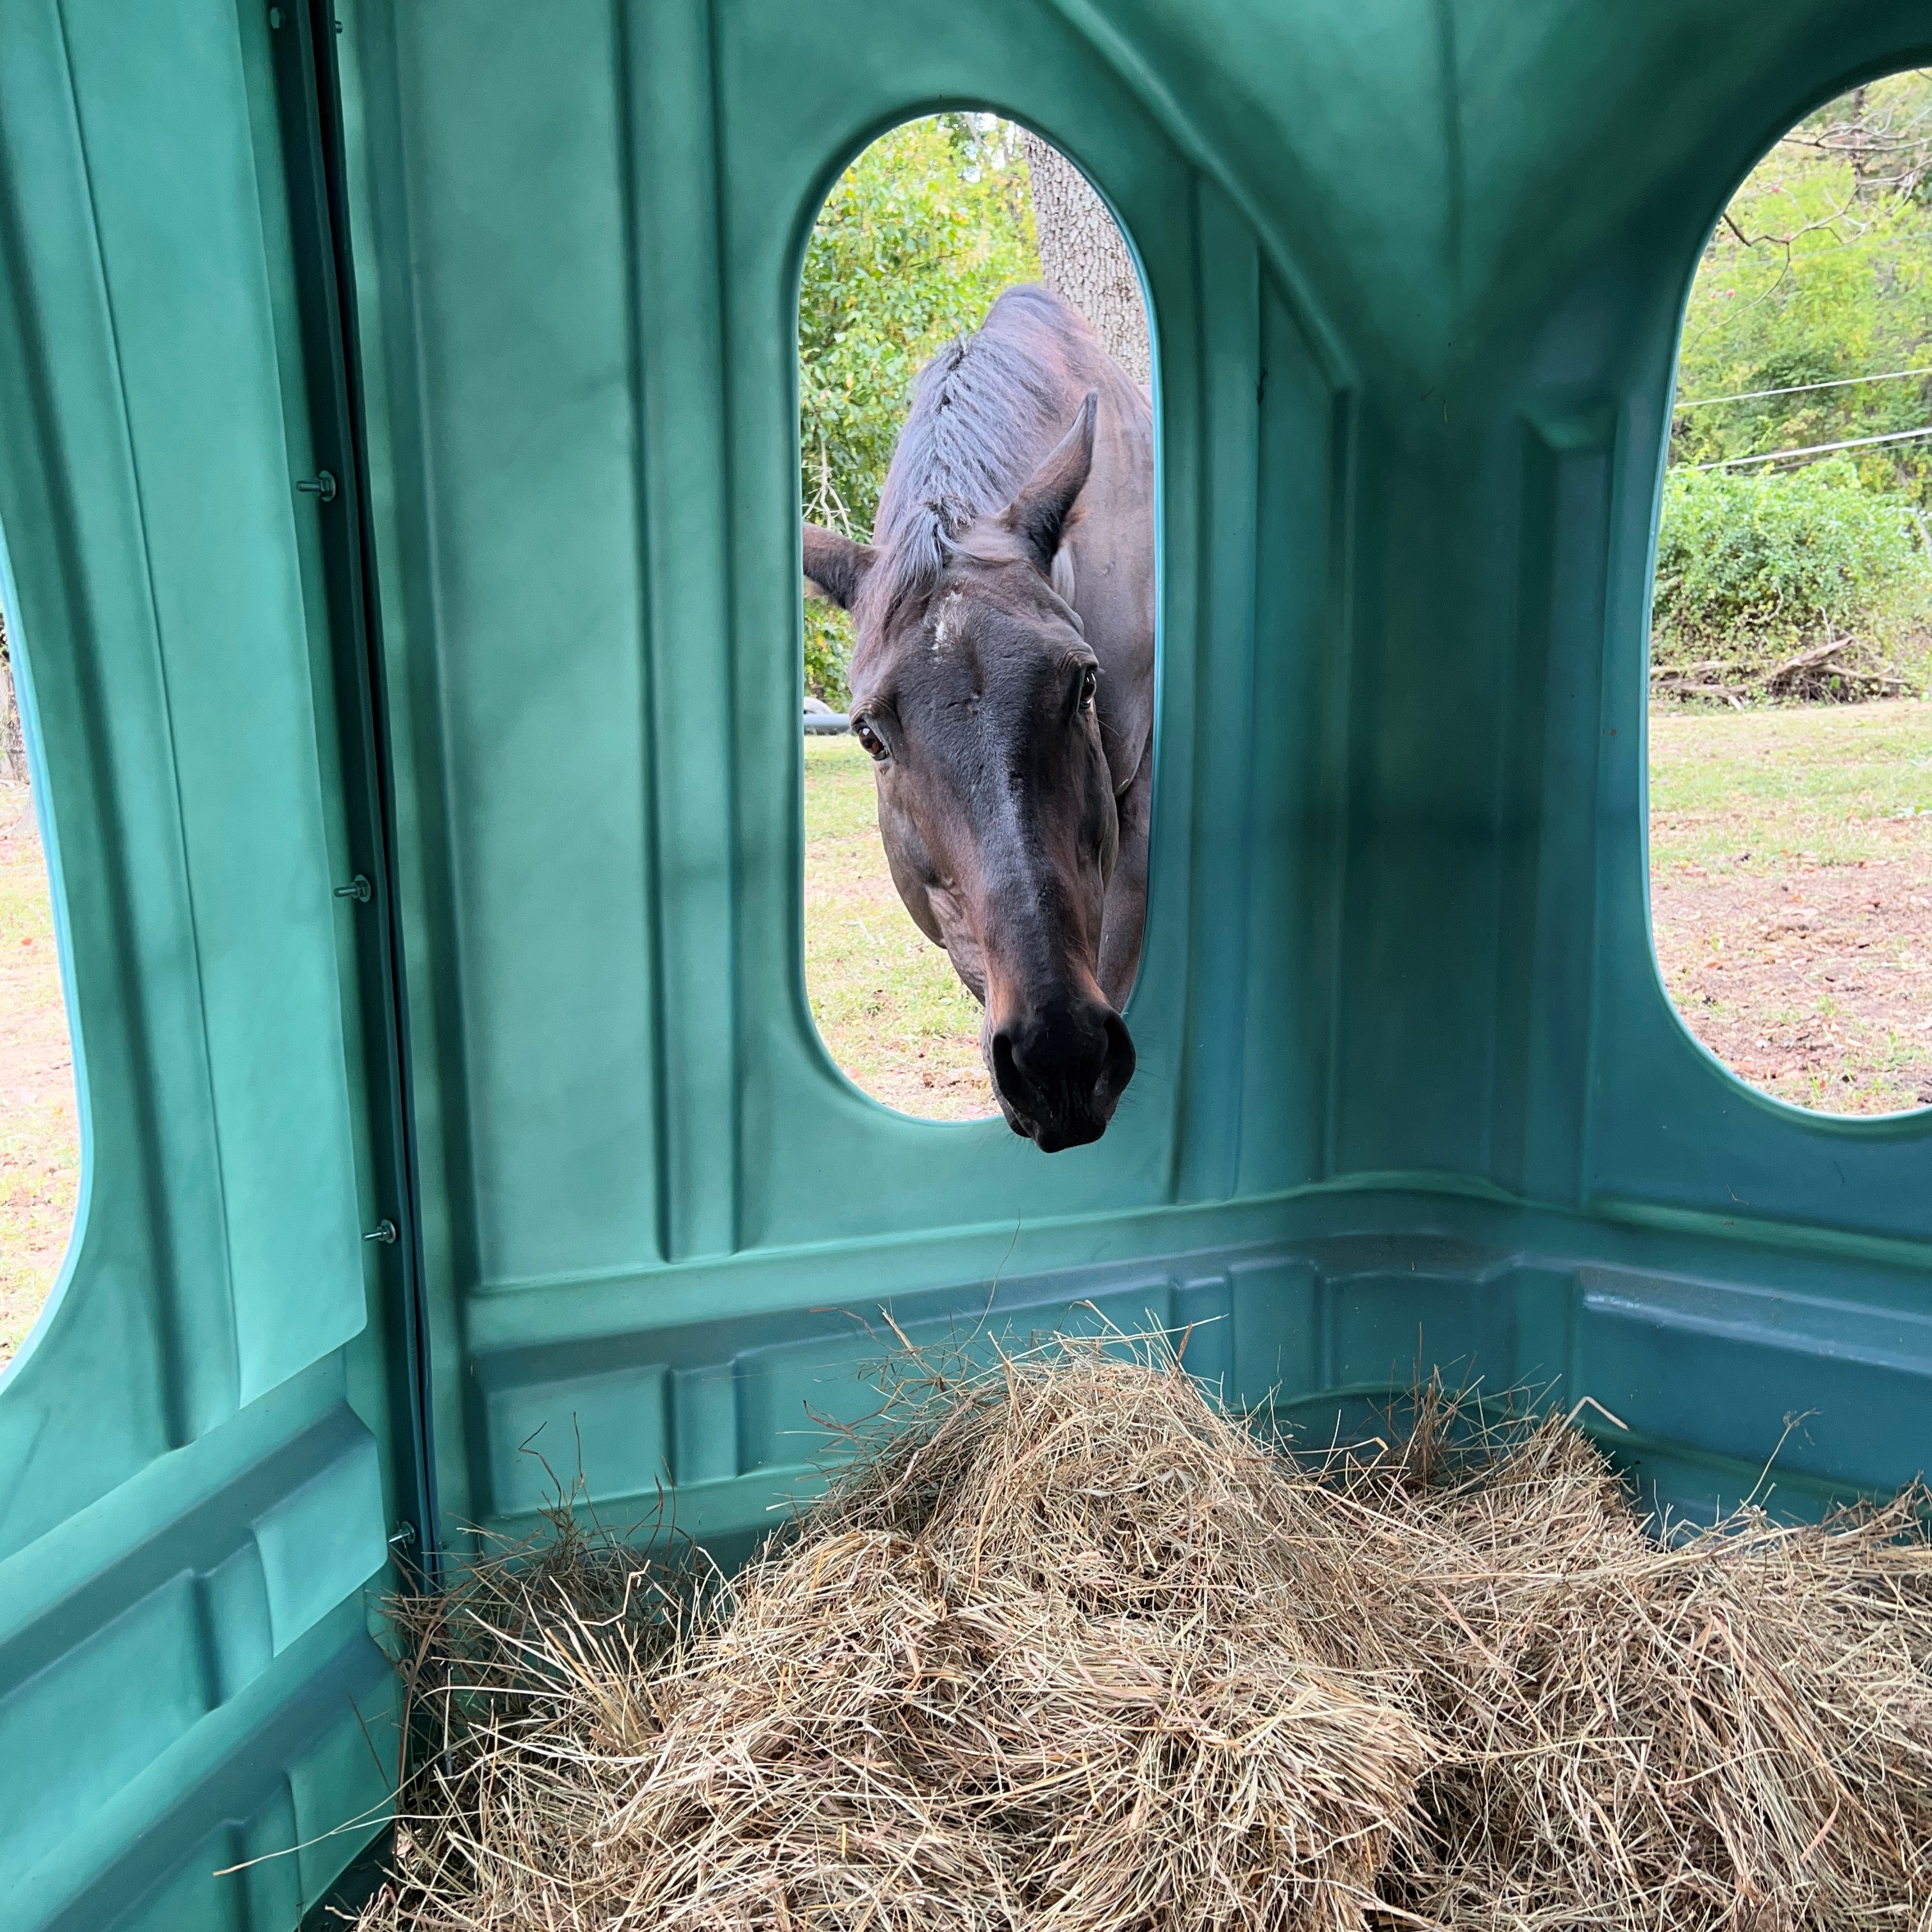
(178, 226)
(195, 1444)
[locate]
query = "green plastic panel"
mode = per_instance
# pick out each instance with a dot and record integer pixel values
(196, 1459)
(522, 279)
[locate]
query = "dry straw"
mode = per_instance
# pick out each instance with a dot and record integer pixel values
(1064, 1647)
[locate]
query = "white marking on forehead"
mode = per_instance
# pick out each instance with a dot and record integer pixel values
(940, 640)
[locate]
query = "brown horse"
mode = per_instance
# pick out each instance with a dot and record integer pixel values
(1003, 685)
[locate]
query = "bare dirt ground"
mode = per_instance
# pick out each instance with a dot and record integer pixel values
(1791, 896)
(1817, 985)
(39, 1134)
(888, 1004)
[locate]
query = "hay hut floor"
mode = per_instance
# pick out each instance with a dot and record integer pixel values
(1065, 1647)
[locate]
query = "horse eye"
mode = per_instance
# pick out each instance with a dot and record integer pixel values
(1089, 683)
(867, 737)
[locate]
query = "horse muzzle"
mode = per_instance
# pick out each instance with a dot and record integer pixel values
(1059, 1071)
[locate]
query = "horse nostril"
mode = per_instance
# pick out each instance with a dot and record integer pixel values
(1005, 1072)
(1013, 1079)
(1119, 1067)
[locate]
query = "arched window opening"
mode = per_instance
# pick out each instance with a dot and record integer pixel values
(1791, 651)
(39, 1126)
(977, 472)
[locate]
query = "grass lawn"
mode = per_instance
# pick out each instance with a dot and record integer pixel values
(1818, 785)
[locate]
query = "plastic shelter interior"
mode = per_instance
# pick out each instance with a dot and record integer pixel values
(399, 484)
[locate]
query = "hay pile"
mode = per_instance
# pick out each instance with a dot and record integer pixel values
(1065, 1647)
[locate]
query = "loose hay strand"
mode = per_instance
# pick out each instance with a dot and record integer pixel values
(1065, 1646)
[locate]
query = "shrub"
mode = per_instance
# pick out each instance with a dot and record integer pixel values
(1754, 569)
(828, 653)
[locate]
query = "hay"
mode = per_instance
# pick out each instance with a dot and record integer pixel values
(1065, 1647)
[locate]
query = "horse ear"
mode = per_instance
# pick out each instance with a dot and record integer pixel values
(1040, 513)
(836, 566)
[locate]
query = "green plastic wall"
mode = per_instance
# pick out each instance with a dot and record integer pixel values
(521, 279)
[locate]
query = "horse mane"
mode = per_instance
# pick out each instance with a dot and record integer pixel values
(980, 410)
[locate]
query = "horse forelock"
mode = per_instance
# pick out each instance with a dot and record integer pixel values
(985, 409)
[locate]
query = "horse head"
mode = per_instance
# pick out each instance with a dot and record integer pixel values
(975, 693)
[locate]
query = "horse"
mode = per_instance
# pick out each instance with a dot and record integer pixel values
(1003, 684)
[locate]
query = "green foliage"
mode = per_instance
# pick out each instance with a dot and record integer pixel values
(1821, 270)
(1752, 569)
(921, 233)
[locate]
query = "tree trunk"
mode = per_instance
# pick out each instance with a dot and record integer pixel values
(1084, 257)
(13, 753)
